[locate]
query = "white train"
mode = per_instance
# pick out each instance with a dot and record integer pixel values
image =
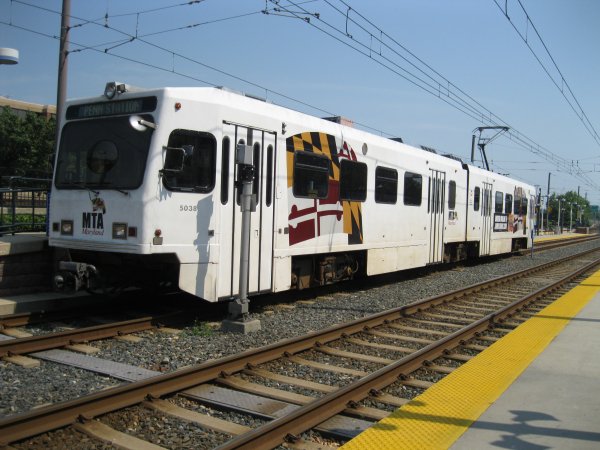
(145, 194)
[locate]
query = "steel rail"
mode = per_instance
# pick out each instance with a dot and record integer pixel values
(549, 245)
(17, 320)
(32, 344)
(420, 305)
(62, 414)
(27, 318)
(21, 346)
(306, 417)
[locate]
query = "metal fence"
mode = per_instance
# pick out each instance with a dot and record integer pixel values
(23, 204)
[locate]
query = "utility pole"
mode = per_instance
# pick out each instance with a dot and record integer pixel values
(237, 320)
(61, 91)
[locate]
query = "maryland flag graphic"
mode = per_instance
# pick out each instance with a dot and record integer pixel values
(312, 217)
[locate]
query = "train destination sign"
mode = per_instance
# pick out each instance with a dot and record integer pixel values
(111, 108)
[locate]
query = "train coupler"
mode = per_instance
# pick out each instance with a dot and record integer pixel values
(73, 276)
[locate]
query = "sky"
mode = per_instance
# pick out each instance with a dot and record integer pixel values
(303, 55)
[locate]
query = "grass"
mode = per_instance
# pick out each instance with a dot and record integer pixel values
(201, 329)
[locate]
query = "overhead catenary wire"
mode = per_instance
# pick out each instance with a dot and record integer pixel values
(130, 38)
(468, 109)
(572, 101)
(453, 96)
(147, 11)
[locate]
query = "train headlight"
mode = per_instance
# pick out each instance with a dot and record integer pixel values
(66, 227)
(119, 230)
(113, 88)
(110, 90)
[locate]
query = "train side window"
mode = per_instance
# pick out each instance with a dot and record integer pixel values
(225, 171)
(413, 186)
(476, 196)
(517, 204)
(451, 194)
(386, 185)
(499, 203)
(508, 202)
(198, 172)
(524, 205)
(269, 175)
(311, 175)
(353, 180)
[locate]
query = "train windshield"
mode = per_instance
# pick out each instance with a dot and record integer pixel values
(104, 153)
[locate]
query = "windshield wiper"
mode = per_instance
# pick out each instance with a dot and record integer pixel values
(82, 185)
(79, 184)
(109, 184)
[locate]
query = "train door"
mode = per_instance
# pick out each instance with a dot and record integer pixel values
(486, 220)
(435, 208)
(263, 143)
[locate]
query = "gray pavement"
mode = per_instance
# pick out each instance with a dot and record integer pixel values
(555, 403)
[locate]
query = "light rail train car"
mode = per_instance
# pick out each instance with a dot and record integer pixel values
(146, 193)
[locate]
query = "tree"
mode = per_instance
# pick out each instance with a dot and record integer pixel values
(569, 201)
(26, 144)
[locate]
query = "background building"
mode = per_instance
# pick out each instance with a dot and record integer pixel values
(22, 108)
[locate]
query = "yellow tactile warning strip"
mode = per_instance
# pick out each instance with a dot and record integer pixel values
(556, 237)
(441, 414)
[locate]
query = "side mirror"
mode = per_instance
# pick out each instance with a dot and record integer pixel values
(174, 160)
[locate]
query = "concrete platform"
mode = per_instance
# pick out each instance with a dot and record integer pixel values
(22, 243)
(536, 388)
(555, 403)
(43, 301)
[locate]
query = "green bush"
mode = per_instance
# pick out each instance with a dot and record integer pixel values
(23, 222)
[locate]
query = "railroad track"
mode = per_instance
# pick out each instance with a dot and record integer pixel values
(10, 347)
(377, 359)
(75, 338)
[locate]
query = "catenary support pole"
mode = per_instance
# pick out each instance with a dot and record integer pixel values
(61, 90)
(238, 320)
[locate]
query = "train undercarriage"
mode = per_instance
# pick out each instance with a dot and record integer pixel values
(320, 270)
(111, 273)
